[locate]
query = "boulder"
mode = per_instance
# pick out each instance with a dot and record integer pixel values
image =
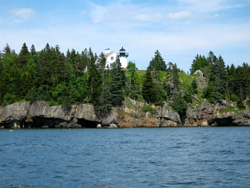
(113, 126)
(167, 113)
(99, 126)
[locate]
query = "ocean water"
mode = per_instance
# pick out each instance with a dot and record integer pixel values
(140, 157)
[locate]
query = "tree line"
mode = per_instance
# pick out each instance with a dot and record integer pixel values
(82, 77)
(224, 82)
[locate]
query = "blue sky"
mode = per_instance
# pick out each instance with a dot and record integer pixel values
(179, 29)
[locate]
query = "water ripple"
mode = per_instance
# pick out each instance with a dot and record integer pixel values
(171, 157)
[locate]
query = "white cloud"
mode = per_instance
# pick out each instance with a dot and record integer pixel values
(124, 13)
(99, 13)
(179, 15)
(140, 45)
(23, 14)
(141, 30)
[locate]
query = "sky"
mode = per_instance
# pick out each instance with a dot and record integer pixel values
(179, 29)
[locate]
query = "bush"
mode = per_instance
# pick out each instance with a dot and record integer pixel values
(8, 99)
(149, 109)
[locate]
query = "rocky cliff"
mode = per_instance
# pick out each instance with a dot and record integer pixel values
(41, 115)
(130, 114)
(208, 114)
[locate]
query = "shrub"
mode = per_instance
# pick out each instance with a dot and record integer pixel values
(149, 109)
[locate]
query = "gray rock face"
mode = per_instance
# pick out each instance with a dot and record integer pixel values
(16, 111)
(132, 115)
(167, 113)
(243, 119)
(41, 115)
(202, 82)
(209, 115)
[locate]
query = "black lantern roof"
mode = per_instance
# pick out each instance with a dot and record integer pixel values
(123, 53)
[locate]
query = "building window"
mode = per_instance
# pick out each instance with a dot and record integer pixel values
(112, 58)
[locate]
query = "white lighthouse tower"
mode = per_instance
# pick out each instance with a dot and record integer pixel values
(112, 56)
(123, 57)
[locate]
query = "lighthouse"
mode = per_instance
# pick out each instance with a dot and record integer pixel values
(112, 56)
(123, 57)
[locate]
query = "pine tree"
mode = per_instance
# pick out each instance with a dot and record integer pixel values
(148, 88)
(104, 105)
(157, 63)
(175, 78)
(7, 49)
(23, 58)
(194, 85)
(201, 63)
(216, 90)
(134, 84)
(34, 53)
(117, 83)
(169, 77)
(94, 80)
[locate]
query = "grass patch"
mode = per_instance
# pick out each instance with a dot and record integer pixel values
(149, 109)
(230, 109)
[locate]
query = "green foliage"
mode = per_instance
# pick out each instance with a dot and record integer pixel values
(148, 88)
(240, 104)
(104, 104)
(131, 66)
(172, 78)
(179, 105)
(149, 109)
(7, 49)
(132, 88)
(117, 83)
(51, 76)
(188, 95)
(8, 99)
(175, 78)
(94, 81)
(157, 63)
(216, 89)
(229, 108)
(200, 63)
(194, 85)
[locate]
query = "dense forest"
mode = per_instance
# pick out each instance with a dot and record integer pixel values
(50, 75)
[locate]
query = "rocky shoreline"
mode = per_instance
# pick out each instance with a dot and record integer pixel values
(130, 114)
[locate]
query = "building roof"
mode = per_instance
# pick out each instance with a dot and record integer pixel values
(122, 49)
(198, 72)
(110, 53)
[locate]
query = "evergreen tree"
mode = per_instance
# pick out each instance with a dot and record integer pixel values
(131, 66)
(104, 105)
(216, 90)
(148, 88)
(175, 78)
(200, 63)
(34, 53)
(7, 49)
(94, 80)
(117, 83)
(194, 85)
(179, 104)
(157, 63)
(24, 51)
(23, 56)
(169, 77)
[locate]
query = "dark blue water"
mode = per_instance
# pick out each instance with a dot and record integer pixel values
(169, 157)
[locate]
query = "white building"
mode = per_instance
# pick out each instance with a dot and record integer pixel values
(111, 57)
